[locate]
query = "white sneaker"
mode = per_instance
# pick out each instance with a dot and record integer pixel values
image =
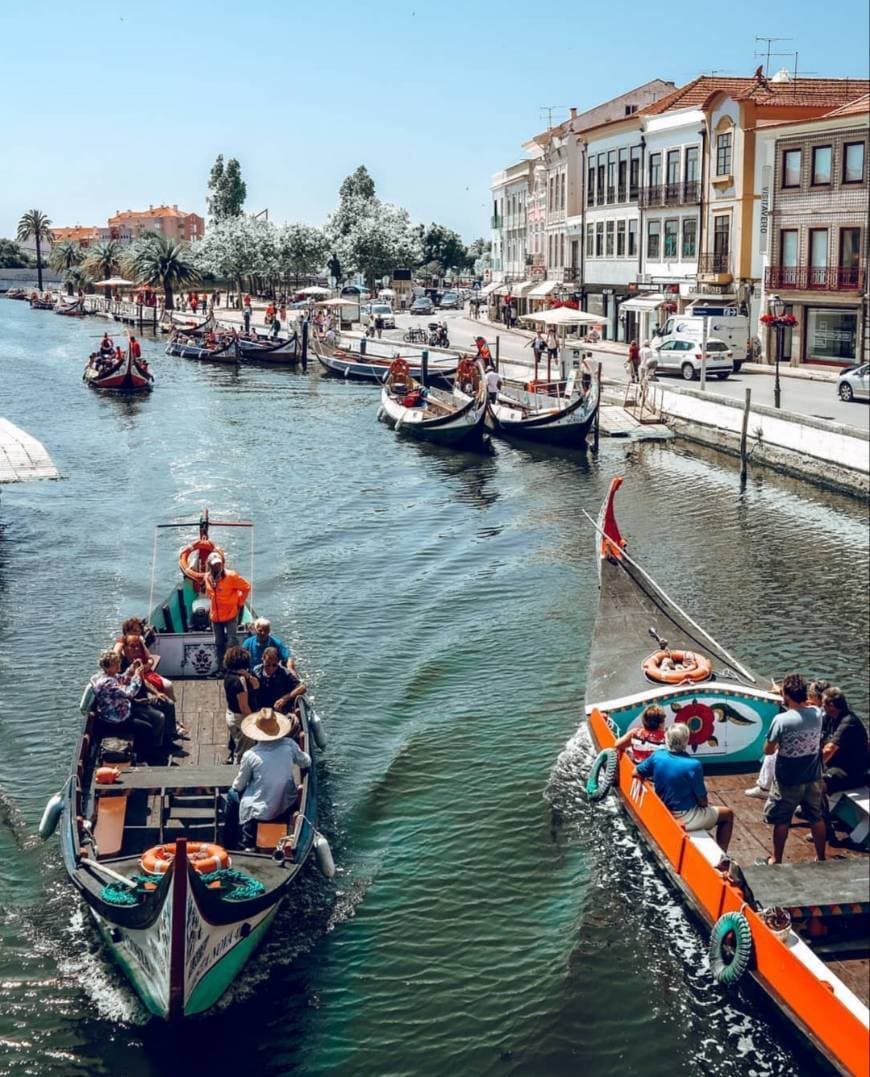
(757, 792)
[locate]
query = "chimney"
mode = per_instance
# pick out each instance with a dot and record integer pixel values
(573, 113)
(150, 207)
(175, 205)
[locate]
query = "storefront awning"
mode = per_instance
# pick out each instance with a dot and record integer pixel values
(543, 289)
(488, 289)
(517, 289)
(644, 305)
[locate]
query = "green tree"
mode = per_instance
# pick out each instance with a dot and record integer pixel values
(234, 248)
(300, 250)
(65, 255)
(12, 256)
(359, 184)
(76, 277)
(35, 225)
(228, 189)
(476, 249)
(443, 245)
(103, 260)
(163, 262)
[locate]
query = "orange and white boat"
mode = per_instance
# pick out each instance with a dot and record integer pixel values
(799, 929)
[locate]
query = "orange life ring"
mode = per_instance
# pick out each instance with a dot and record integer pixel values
(695, 667)
(202, 548)
(203, 856)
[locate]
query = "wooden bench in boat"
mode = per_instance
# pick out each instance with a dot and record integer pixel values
(109, 828)
(832, 887)
(169, 779)
(853, 807)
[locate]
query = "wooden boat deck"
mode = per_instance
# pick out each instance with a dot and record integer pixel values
(201, 706)
(752, 840)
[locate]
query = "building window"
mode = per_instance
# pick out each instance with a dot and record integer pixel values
(831, 335)
(690, 237)
(655, 169)
(634, 173)
(590, 240)
(723, 154)
(791, 168)
(788, 256)
(630, 110)
(673, 173)
(721, 235)
(850, 247)
(620, 239)
(611, 225)
(691, 172)
(564, 190)
(853, 162)
(632, 238)
(653, 241)
(671, 232)
(622, 176)
(599, 239)
(821, 166)
(611, 177)
(590, 185)
(599, 192)
(818, 257)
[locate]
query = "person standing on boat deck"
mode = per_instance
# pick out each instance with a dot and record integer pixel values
(227, 592)
(761, 790)
(275, 328)
(279, 687)
(240, 687)
(264, 790)
(795, 737)
(262, 638)
(679, 782)
(493, 384)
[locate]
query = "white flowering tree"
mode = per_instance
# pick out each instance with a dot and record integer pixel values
(237, 247)
(300, 251)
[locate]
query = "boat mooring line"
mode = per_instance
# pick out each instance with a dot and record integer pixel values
(679, 609)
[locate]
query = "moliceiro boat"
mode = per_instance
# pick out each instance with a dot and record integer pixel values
(799, 929)
(221, 349)
(352, 364)
(146, 845)
(124, 375)
(537, 414)
(454, 418)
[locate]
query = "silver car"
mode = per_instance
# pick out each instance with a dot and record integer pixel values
(683, 357)
(854, 384)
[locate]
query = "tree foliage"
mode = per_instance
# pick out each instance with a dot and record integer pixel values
(103, 260)
(443, 246)
(228, 190)
(235, 247)
(164, 262)
(300, 249)
(12, 256)
(65, 255)
(36, 225)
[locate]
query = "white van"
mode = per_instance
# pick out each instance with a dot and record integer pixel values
(732, 328)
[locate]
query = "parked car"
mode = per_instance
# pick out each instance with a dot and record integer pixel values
(681, 356)
(385, 311)
(733, 329)
(854, 384)
(422, 305)
(449, 301)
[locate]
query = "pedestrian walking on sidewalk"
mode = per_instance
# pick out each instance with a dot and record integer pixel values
(648, 363)
(538, 346)
(633, 360)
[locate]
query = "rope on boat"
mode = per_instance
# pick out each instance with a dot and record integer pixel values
(120, 894)
(241, 887)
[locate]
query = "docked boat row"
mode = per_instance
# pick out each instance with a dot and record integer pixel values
(211, 344)
(148, 846)
(798, 929)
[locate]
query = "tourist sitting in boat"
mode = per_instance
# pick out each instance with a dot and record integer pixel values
(279, 687)
(845, 755)
(795, 737)
(240, 687)
(107, 346)
(210, 340)
(264, 790)
(130, 645)
(679, 782)
(641, 741)
(120, 711)
(262, 638)
(227, 592)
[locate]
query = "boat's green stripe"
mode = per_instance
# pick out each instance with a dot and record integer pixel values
(220, 976)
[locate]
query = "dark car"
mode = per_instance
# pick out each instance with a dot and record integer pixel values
(422, 305)
(449, 301)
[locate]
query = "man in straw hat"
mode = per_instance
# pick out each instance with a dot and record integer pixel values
(264, 790)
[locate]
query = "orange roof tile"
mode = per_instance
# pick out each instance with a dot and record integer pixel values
(77, 232)
(154, 211)
(800, 92)
(853, 108)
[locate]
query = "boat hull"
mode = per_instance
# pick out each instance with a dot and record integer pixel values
(464, 428)
(532, 417)
(128, 379)
(352, 369)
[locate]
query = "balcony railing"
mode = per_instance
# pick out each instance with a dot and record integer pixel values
(714, 262)
(671, 194)
(570, 274)
(815, 278)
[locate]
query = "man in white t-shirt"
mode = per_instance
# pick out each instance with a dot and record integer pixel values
(493, 384)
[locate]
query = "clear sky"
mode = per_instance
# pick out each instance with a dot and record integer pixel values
(108, 106)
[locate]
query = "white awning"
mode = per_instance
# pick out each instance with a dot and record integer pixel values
(563, 316)
(488, 289)
(544, 288)
(644, 304)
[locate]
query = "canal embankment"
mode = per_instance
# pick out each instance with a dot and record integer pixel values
(22, 457)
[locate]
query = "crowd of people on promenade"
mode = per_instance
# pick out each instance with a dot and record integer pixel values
(815, 746)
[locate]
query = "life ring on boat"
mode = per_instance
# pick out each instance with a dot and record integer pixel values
(202, 548)
(203, 856)
(661, 667)
(598, 785)
(730, 947)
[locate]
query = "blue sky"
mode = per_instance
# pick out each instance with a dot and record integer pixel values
(115, 106)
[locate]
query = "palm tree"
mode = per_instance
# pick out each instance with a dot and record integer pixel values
(64, 257)
(163, 261)
(104, 258)
(75, 279)
(35, 223)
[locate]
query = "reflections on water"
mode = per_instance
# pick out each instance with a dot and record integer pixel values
(485, 917)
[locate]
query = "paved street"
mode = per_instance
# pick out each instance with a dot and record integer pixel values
(801, 395)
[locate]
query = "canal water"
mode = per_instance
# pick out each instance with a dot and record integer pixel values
(485, 919)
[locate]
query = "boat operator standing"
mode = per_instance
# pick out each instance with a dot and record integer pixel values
(227, 592)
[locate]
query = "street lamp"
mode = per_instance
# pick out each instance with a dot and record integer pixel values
(776, 309)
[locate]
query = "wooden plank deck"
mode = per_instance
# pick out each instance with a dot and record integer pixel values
(22, 457)
(201, 706)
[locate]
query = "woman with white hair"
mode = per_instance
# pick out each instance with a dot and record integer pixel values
(679, 782)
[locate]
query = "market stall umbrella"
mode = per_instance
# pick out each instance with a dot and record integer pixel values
(314, 290)
(115, 282)
(335, 303)
(564, 316)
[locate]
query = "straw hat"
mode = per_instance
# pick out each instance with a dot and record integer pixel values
(265, 724)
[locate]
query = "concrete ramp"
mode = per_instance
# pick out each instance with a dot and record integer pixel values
(617, 422)
(22, 457)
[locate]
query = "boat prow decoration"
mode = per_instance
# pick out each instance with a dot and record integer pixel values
(612, 542)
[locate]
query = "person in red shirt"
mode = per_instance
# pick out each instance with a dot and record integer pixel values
(633, 360)
(227, 592)
(641, 741)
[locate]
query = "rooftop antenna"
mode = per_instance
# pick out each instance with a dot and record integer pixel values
(549, 109)
(769, 52)
(264, 213)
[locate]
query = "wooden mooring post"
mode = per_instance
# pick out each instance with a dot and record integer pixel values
(743, 431)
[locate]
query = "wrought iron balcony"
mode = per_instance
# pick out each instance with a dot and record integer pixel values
(670, 194)
(804, 278)
(714, 262)
(570, 274)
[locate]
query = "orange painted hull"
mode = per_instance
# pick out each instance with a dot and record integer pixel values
(805, 999)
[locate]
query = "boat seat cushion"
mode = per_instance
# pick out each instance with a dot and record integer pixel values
(109, 831)
(707, 845)
(269, 834)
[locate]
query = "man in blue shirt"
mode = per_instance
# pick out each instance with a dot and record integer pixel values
(679, 782)
(256, 645)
